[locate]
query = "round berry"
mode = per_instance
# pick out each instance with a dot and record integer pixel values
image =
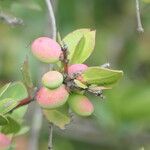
(52, 79)
(50, 99)
(76, 69)
(46, 50)
(80, 104)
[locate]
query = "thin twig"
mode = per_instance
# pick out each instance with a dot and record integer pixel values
(53, 36)
(50, 142)
(35, 129)
(51, 18)
(10, 20)
(138, 16)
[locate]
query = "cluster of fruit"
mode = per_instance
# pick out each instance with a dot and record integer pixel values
(58, 86)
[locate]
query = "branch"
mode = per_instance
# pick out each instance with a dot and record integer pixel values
(64, 57)
(50, 143)
(51, 18)
(138, 16)
(10, 20)
(53, 32)
(25, 101)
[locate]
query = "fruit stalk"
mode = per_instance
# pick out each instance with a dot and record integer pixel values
(65, 60)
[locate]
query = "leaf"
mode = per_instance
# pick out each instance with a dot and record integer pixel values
(19, 112)
(80, 84)
(4, 88)
(80, 45)
(101, 76)
(12, 127)
(16, 90)
(57, 116)
(27, 77)
(3, 120)
(7, 105)
(23, 130)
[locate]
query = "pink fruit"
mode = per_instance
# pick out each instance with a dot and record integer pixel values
(80, 104)
(4, 141)
(76, 68)
(47, 98)
(52, 79)
(46, 50)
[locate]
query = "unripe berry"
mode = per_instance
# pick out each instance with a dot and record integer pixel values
(46, 50)
(80, 104)
(49, 99)
(4, 141)
(52, 79)
(76, 68)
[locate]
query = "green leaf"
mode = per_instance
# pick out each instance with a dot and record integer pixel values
(4, 88)
(3, 120)
(80, 84)
(27, 77)
(23, 130)
(19, 112)
(80, 45)
(7, 105)
(16, 90)
(12, 127)
(58, 117)
(101, 76)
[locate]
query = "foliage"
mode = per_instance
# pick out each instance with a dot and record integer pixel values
(80, 43)
(117, 42)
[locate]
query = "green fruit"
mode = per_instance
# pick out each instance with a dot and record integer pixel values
(52, 79)
(80, 104)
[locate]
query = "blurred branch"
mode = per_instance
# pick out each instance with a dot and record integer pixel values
(138, 16)
(53, 36)
(10, 20)
(35, 128)
(50, 143)
(51, 18)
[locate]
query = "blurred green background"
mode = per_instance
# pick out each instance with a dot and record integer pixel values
(122, 120)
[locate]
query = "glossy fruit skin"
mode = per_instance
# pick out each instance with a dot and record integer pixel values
(46, 50)
(4, 141)
(52, 79)
(50, 99)
(80, 104)
(76, 68)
